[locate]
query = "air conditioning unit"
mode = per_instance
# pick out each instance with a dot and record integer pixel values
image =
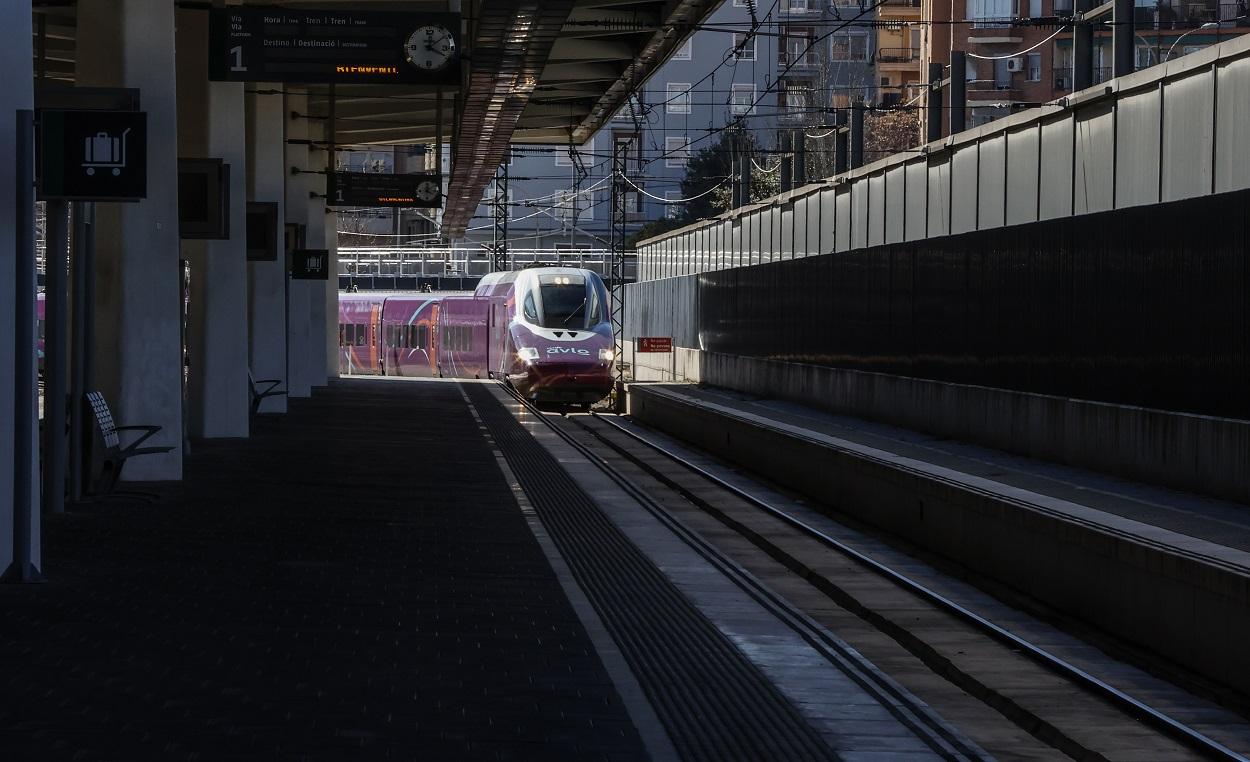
(1015, 64)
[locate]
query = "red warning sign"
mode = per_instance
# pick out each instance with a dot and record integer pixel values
(655, 343)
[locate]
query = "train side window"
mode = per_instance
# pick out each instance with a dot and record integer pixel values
(349, 334)
(423, 336)
(342, 334)
(361, 335)
(531, 312)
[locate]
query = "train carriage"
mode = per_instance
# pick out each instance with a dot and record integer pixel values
(546, 331)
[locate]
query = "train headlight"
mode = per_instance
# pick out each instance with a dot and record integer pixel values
(606, 355)
(527, 354)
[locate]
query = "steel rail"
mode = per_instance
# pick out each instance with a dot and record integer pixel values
(944, 739)
(1161, 721)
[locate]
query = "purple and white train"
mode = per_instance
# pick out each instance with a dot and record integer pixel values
(545, 330)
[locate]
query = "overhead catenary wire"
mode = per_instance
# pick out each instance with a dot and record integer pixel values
(635, 186)
(1018, 53)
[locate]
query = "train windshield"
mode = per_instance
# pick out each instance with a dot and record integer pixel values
(567, 301)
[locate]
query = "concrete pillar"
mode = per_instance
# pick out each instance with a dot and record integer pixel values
(299, 377)
(332, 297)
(212, 125)
(18, 93)
(137, 353)
(266, 179)
(320, 236)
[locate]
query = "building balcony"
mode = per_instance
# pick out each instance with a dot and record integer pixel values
(801, 9)
(898, 55)
(899, 8)
(1062, 76)
(797, 60)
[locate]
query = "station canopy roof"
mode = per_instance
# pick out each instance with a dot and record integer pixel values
(535, 71)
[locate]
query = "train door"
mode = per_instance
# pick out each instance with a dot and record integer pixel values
(375, 341)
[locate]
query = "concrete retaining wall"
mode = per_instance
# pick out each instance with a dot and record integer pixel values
(1195, 453)
(1187, 608)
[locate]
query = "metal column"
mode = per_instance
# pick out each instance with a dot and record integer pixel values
(933, 115)
(1123, 32)
(785, 140)
(500, 209)
(616, 274)
(800, 158)
(857, 133)
(1082, 48)
(22, 568)
(841, 159)
(55, 340)
(959, 91)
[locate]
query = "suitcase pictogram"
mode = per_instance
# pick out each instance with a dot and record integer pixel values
(105, 152)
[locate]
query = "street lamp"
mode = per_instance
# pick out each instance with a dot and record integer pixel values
(1207, 25)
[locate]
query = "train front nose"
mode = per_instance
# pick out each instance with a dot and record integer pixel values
(572, 382)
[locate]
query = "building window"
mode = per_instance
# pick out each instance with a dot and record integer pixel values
(792, 96)
(741, 97)
(987, 14)
(672, 210)
(744, 46)
(1033, 67)
(676, 151)
(586, 152)
(793, 6)
(797, 48)
(684, 52)
(678, 98)
(850, 47)
(631, 109)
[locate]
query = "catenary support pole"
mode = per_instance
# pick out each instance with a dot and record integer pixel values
(1122, 37)
(55, 340)
(841, 145)
(800, 158)
(785, 140)
(1082, 49)
(22, 568)
(959, 91)
(933, 114)
(857, 133)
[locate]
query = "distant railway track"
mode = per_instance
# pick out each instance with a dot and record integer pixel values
(623, 455)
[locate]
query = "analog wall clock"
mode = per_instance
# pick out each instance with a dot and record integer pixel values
(431, 47)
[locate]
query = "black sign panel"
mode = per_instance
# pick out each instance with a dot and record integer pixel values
(310, 264)
(322, 46)
(374, 189)
(93, 155)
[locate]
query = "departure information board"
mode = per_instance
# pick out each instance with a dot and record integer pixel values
(331, 46)
(373, 189)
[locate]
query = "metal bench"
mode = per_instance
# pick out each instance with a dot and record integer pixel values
(258, 394)
(114, 455)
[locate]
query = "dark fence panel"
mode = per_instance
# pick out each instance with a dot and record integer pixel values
(1146, 306)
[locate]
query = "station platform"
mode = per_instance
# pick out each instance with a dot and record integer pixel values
(354, 581)
(410, 569)
(1165, 570)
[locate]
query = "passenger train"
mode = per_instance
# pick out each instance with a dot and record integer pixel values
(545, 330)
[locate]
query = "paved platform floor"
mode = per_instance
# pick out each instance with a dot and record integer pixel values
(353, 582)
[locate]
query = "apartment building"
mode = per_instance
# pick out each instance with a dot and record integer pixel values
(777, 80)
(1016, 60)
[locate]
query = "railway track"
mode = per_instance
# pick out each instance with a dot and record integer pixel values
(1013, 698)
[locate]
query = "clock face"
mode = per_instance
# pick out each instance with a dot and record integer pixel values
(427, 190)
(430, 48)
